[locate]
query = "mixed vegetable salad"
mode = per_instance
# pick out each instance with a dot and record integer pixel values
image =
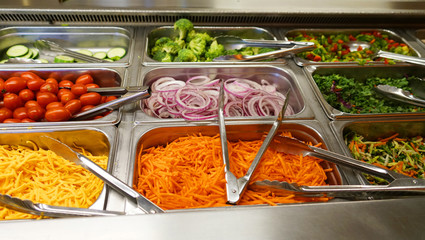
(194, 46)
(403, 155)
(351, 96)
(335, 47)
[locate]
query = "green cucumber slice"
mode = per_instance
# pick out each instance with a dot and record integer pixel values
(85, 52)
(100, 55)
(34, 52)
(4, 60)
(42, 60)
(28, 55)
(116, 53)
(17, 51)
(63, 59)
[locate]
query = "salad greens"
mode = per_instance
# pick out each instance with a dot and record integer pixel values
(335, 48)
(351, 96)
(403, 155)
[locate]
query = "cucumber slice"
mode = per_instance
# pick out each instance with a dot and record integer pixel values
(85, 52)
(42, 60)
(17, 51)
(34, 52)
(63, 59)
(109, 60)
(100, 55)
(4, 60)
(116, 53)
(28, 55)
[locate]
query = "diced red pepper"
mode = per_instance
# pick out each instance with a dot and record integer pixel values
(344, 52)
(372, 41)
(329, 40)
(389, 40)
(359, 48)
(334, 48)
(403, 45)
(377, 34)
(317, 58)
(352, 38)
(345, 46)
(386, 61)
(310, 56)
(340, 41)
(369, 52)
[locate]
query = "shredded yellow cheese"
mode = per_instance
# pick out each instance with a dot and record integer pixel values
(44, 177)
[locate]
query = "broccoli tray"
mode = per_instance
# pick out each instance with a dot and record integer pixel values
(186, 43)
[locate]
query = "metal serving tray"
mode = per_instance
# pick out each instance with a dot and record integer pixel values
(302, 62)
(97, 140)
(155, 135)
(282, 77)
(419, 36)
(104, 77)
(168, 31)
(94, 39)
(360, 73)
(373, 130)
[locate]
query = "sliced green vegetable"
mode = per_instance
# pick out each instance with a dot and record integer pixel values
(34, 53)
(17, 51)
(42, 60)
(116, 53)
(63, 59)
(85, 52)
(100, 55)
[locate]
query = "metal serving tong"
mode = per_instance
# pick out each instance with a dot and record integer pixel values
(39, 209)
(400, 185)
(236, 186)
(67, 153)
(44, 45)
(400, 95)
(234, 42)
(131, 94)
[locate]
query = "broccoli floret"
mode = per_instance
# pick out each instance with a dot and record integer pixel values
(215, 50)
(184, 26)
(197, 45)
(171, 48)
(193, 34)
(186, 55)
(246, 51)
(181, 43)
(163, 57)
(159, 44)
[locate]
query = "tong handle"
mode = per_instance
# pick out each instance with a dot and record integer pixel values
(354, 164)
(401, 57)
(274, 43)
(56, 211)
(278, 53)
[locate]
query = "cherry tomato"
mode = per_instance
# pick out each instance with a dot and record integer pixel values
(31, 103)
(2, 90)
(12, 120)
(1, 103)
(35, 113)
(26, 95)
(44, 98)
(27, 120)
(92, 85)
(29, 76)
(65, 84)
(79, 89)
(15, 84)
(84, 79)
(73, 106)
(87, 107)
(12, 101)
(35, 84)
(110, 98)
(5, 113)
(57, 114)
(66, 97)
(20, 113)
(91, 98)
(49, 87)
(52, 80)
(54, 105)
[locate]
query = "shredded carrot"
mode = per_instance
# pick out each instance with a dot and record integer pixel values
(189, 173)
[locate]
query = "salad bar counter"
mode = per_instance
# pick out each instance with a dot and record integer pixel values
(137, 113)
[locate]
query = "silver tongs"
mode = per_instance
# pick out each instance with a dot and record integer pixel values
(131, 94)
(44, 45)
(400, 185)
(67, 153)
(400, 95)
(40, 209)
(236, 186)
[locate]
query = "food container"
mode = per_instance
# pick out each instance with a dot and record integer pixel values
(104, 77)
(99, 141)
(360, 74)
(378, 129)
(95, 39)
(301, 61)
(146, 136)
(244, 32)
(419, 36)
(282, 78)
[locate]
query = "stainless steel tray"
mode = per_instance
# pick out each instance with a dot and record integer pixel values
(360, 73)
(168, 31)
(104, 77)
(372, 130)
(97, 140)
(395, 35)
(94, 39)
(155, 135)
(282, 77)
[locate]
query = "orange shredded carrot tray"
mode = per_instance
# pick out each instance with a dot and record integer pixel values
(189, 173)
